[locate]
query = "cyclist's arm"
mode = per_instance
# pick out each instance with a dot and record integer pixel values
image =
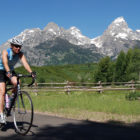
(25, 63)
(5, 60)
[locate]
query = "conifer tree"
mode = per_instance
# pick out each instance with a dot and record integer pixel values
(104, 71)
(120, 68)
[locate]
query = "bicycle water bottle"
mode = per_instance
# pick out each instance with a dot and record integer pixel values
(11, 99)
(7, 101)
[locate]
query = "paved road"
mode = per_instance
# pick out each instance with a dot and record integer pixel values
(56, 128)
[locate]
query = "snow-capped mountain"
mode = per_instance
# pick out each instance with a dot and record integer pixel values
(76, 37)
(50, 32)
(118, 36)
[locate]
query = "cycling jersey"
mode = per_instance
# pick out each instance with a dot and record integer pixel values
(12, 60)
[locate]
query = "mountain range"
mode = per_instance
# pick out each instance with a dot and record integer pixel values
(55, 45)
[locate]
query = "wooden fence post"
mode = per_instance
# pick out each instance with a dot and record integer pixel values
(100, 87)
(132, 85)
(67, 88)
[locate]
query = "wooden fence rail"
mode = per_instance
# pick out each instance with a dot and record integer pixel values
(78, 86)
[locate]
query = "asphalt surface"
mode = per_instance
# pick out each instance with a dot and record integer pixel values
(55, 128)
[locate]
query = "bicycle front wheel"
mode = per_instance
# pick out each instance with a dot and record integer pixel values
(23, 113)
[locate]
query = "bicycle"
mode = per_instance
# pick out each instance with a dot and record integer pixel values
(21, 107)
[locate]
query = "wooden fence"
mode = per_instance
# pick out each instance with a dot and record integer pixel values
(78, 86)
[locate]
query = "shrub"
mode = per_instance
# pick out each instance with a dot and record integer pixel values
(133, 96)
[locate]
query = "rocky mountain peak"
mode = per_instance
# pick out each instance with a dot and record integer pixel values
(118, 36)
(78, 38)
(75, 32)
(119, 20)
(28, 33)
(118, 29)
(73, 28)
(51, 25)
(51, 31)
(119, 23)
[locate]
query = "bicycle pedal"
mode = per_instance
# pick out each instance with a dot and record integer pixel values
(8, 113)
(2, 125)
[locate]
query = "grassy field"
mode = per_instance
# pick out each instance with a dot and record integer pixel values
(111, 105)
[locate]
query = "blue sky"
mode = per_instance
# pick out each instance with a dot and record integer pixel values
(92, 17)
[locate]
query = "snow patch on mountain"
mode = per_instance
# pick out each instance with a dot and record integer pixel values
(28, 33)
(97, 41)
(119, 20)
(51, 30)
(122, 35)
(138, 31)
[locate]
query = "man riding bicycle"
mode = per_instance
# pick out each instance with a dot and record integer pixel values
(8, 60)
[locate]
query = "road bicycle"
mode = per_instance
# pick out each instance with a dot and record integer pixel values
(21, 107)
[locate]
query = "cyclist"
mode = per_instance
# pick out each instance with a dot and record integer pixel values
(8, 60)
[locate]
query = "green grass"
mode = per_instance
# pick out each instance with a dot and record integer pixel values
(109, 102)
(62, 73)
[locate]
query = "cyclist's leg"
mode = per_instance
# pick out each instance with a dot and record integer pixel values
(2, 95)
(3, 79)
(14, 83)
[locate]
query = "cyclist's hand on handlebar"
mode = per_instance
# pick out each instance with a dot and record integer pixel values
(9, 74)
(33, 74)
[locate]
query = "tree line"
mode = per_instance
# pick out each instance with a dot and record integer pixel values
(125, 68)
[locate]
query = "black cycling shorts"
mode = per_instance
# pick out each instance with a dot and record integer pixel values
(3, 77)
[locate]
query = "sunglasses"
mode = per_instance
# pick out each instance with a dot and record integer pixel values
(17, 46)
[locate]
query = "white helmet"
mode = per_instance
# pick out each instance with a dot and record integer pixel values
(15, 41)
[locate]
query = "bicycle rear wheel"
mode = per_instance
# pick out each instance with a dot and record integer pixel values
(23, 113)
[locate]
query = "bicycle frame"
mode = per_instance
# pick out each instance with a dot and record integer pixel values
(18, 89)
(8, 110)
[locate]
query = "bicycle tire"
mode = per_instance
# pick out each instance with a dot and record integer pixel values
(23, 113)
